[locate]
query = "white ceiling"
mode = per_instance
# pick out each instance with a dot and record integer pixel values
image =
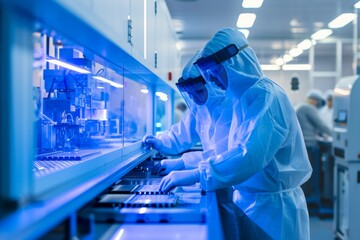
(280, 24)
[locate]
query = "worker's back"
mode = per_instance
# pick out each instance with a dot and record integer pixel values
(310, 123)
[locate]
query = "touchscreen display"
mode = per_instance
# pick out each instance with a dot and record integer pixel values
(341, 116)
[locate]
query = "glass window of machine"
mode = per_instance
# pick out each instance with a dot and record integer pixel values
(83, 104)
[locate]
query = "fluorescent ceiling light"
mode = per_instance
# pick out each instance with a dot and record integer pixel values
(321, 34)
(290, 67)
(252, 3)
(114, 84)
(342, 20)
(246, 20)
(287, 58)
(295, 52)
(162, 96)
(270, 67)
(304, 45)
(67, 65)
(279, 61)
(144, 90)
(245, 32)
(357, 5)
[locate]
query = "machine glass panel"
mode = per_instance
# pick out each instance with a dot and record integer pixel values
(160, 115)
(85, 106)
(135, 111)
(163, 108)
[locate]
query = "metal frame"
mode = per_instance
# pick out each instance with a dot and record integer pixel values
(47, 213)
(17, 117)
(338, 70)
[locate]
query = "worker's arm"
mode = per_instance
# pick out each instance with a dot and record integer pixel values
(180, 137)
(319, 124)
(258, 138)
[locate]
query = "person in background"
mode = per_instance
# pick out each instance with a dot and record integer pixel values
(266, 160)
(326, 112)
(309, 117)
(208, 121)
(312, 126)
(180, 111)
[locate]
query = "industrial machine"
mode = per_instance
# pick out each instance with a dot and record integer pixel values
(82, 112)
(346, 149)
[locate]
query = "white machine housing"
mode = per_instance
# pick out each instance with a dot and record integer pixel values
(346, 149)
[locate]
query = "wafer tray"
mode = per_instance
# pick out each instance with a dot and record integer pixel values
(137, 200)
(139, 189)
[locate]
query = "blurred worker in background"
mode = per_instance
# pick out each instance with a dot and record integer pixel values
(266, 161)
(180, 111)
(312, 126)
(309, 117)
(326, 112)
(208, 121)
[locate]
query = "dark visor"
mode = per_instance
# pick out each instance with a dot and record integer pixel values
(185, 85)
(194, 89)
(219, 56)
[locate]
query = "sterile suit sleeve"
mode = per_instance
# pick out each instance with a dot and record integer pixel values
(257, 139)
(314, 117)
(180, 137)
(192, 159)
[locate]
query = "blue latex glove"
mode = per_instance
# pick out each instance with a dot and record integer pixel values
(151, 141)
(166, 166)
(179, 178)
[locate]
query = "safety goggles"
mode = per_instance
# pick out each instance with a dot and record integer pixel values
(210, 66)
(193, 90)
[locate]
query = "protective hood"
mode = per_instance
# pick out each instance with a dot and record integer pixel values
(215, 95)
(317, 95)
(243, 69)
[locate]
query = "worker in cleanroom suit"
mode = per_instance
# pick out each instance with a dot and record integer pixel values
(191, 130)
(208, 121)
(266, 161)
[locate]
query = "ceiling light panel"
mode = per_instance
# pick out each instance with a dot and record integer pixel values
(295, 52)
(305, 44)
(357, 5)
(246, 20)
(287, 58)
(270, 67)
(342, 20)
(321, 34)
(279, 61)
(292, 67)
(252, 3)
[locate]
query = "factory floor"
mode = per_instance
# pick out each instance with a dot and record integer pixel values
(321, 228)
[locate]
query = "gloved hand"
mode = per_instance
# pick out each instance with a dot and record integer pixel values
(151, 141)
(166, 166)
(179, 178)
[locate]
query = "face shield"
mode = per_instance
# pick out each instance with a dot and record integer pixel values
(211, 69)
(193, 90)
(196, 91)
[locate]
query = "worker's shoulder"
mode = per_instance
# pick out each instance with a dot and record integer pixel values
(304, 108)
